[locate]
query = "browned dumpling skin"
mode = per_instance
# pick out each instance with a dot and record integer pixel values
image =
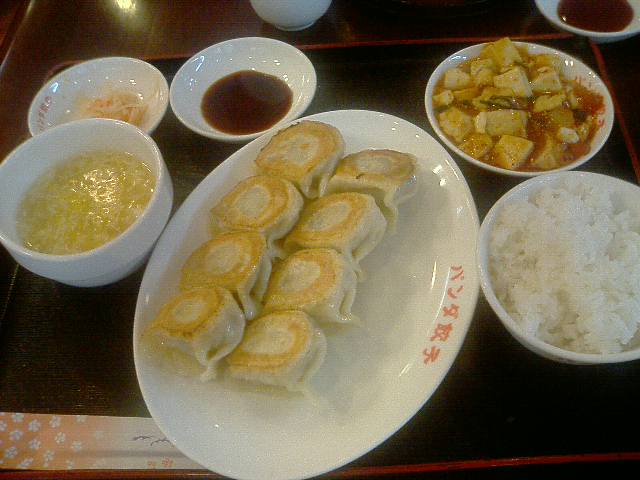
(305, 153)
(389, 176)
(237, 261)
(282, 348)
(205, 323)
(318, 281)
(264, 204)
(349, 222)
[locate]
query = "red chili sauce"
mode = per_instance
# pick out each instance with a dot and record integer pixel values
(543, 124)
(596, 15)
(246, 102)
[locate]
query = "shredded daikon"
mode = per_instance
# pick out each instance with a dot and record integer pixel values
(122, 105)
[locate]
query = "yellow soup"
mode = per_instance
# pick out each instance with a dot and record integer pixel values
(85, 202)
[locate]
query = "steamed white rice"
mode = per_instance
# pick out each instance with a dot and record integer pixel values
(566, 266)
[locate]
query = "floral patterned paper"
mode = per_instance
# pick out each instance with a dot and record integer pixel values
(58, 442)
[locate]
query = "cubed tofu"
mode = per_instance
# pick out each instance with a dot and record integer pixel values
(503, 52)
(511, 152)
(480, 122)
(584, 128)
(506, 122)
(549, 156)
(548, 60)
(456, 79)
(560, 117)
(466, 94)
(482, 71)
(480, 102)
(479, 64)
(443, 99)
(477, 145)
(571, 97)
(567, 135)
(488, 92)
(547, 80)
(548, 102)
(515, 79)
(484, 77)
(456, 123)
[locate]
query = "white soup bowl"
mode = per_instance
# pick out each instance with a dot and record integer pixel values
(115, 259)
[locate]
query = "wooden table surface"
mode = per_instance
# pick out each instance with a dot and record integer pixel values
(67, 350)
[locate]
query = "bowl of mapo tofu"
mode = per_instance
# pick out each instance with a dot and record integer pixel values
(518, 108)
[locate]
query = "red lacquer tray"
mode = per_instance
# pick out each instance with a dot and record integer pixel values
(501, 410)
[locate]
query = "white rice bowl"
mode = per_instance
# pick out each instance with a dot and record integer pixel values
(564, 262)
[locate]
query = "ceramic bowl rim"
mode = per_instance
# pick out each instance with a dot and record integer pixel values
(466, 52)
(296, 110)
(164, 87)
(524, 190)
(159, 176)
(551, 15)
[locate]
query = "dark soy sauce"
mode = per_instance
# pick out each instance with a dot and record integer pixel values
(596, 15)
(246, 102)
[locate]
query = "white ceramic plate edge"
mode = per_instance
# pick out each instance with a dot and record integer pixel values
(450, 350)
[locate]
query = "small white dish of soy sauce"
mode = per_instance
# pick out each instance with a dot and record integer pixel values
(601, 21)
(237, 90)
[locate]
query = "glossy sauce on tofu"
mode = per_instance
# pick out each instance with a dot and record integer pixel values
(516, 111)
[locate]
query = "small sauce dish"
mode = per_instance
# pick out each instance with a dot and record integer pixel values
(63, 97)
(549, 8)
(252, 54)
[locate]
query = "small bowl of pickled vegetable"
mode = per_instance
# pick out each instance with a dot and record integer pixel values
(519, 109)
(84, 202)
(119, 88)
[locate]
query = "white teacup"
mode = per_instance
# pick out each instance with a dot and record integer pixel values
(290, 15)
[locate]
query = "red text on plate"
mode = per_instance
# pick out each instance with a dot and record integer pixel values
(443, 330)
(431, 355)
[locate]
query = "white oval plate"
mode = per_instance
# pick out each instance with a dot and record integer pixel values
(416, 302)
(57, 101)
(263, 55)
(573, 69)
(549, 8)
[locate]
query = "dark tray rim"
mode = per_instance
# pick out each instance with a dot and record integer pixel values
(495, 465)
(398, 469)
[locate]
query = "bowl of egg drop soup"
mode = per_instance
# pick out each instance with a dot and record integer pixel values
(84, 202)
